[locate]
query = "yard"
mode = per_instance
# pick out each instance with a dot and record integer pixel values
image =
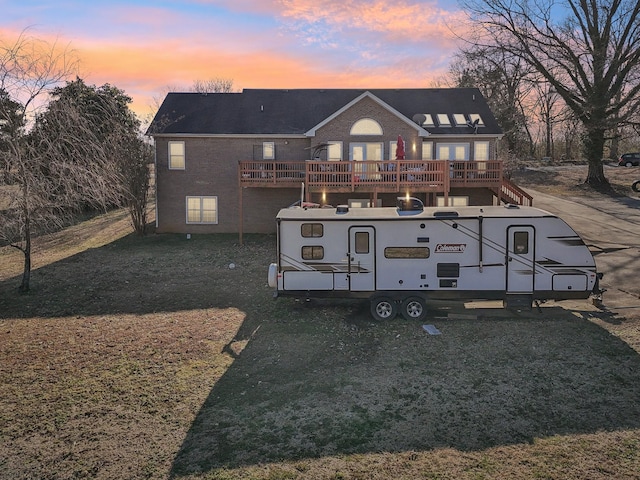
(151, 358)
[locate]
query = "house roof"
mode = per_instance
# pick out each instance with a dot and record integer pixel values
(301, 111)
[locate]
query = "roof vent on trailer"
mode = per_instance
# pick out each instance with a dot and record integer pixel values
(511, 205)
(409, 205)
(446, 214)
(340, 209)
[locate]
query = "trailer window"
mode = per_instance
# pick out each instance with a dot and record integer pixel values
(521, 243)
(362, 242)
(312, 230)
(314, 252)
(406, 252)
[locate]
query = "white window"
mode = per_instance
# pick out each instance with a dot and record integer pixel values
(363, 203)
(428, 122)
(334, 151)
(427, 150)
(480, 151)
(454, 201)
(476, 116)
(459, 118)
(268, 150)
(202, 209)
(366, 151)
(443, 120)
(453, 151)
(176, 156)
(366, 126)
(481, 155)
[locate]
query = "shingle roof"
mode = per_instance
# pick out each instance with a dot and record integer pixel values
(291, 112)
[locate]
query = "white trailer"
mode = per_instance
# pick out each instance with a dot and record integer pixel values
(401, 258)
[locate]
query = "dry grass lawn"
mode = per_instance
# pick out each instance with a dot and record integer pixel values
(149, 358)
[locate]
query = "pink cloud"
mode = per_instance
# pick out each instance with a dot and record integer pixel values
(172, 49)
(400, 20)
(143, 72)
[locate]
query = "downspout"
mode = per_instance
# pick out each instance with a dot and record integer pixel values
(240, 209)
(480, 240)
(155, 174)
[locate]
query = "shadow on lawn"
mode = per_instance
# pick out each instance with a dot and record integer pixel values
(157, 273)
(309, 386)
(324, 380)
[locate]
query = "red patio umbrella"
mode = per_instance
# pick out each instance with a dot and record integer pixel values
(400, 149)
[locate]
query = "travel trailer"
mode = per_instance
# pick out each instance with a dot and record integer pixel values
(401, 258)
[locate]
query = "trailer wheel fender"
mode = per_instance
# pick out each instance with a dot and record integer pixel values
(383, 308)
(414, 308)
(272, 277)
(636, 186)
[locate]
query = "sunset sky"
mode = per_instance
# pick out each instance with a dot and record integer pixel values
(145, 48)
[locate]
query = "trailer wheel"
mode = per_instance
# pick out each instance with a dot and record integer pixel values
(383, 308)
(636, 186)
(414, 308)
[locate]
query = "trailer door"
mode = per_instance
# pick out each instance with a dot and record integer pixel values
(520, 259)
(361, 259)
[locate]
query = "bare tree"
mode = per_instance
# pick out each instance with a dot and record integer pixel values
(501, 79)
(106, 107)
(62, 166)
(213, 85)
(62, 153)
(136, 176)
(547, 109)
(591, 57)
(29, 67)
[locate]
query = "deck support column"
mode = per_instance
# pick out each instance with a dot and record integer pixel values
(240, 215)
(447, 182)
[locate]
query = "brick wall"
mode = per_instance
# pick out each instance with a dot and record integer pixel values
(339, 128)
(211, 169)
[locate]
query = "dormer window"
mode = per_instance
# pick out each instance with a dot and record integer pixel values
(366, 126)
(459, 119)
(476, 116)
(443, 120)
(428, 122)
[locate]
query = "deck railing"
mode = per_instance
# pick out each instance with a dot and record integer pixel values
(393, 175)
(509, 192)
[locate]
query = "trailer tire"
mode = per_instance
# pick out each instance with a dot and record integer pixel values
(383, 308)
(636, 186)
(414, 308)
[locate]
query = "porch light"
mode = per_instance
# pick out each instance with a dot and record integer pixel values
(324, 198)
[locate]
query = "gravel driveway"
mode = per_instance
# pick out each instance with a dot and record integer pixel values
(611, 228)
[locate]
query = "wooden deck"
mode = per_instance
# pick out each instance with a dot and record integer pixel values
(382, 176)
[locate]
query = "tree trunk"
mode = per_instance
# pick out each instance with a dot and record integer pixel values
(595, 175)
(26, 274)
(593, 150)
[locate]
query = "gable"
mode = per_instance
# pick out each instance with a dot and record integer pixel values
(368, 95)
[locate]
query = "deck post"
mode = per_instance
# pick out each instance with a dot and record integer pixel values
(240, 215)
(447, 182)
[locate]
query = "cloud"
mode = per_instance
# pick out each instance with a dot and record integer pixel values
(258, 44)
(397, 21)
(369, 34)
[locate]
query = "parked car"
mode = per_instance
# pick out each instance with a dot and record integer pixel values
(629, 159)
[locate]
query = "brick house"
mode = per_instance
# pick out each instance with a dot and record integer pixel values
(227, 162)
